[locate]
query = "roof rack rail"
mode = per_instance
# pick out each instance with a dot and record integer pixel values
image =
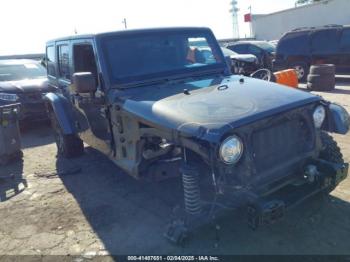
(332, 25)
(302, 28)
(316, 27)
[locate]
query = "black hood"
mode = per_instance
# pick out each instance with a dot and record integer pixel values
(25, 86)
(212, 105)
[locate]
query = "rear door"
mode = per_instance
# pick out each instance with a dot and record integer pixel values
(325, 46)
(344, 52)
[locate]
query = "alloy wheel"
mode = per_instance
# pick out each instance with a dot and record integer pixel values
(300, 71)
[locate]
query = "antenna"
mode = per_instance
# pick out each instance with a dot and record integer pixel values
(124, 22)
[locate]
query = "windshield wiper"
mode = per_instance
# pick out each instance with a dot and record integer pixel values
(170, 78)
(140, 83)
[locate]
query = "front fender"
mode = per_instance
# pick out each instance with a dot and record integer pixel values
(338, 119)
(63, 112)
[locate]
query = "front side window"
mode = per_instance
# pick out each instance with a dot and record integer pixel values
(63, 61)
(324, 42)
(144, 56)
(84, 59)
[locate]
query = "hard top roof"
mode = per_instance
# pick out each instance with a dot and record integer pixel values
(129, 32)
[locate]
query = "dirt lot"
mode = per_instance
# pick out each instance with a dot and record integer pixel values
(100, 210)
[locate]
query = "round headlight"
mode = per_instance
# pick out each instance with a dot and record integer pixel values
(231, 150)
(319, 116)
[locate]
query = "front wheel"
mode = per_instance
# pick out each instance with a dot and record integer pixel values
(331, 153)
(68, 146)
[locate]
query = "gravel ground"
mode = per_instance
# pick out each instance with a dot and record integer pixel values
(87, 206)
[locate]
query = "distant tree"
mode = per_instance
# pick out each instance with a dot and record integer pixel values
(304, 2)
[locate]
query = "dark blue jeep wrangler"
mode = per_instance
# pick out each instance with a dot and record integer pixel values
(157, 107)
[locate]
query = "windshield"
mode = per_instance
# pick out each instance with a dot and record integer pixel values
(266, 46)
(15, 72)
(141, 57)
(228, 52)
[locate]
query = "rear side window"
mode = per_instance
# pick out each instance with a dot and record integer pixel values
(294, 44)
(324, 42)
(345, 41)
(63, 61)
(50, 60)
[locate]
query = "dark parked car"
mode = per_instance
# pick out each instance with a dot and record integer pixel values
(263, 50)
(304, 47)
(159, 110)
(241, 64)
(24, 81)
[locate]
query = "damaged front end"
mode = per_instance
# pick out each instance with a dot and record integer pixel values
(281, 163)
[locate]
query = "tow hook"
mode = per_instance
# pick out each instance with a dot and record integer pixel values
(311, 173)
(265, 213)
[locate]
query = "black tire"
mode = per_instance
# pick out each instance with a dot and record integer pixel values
(321, 84)
(302, 70)
(332, 153)
(312, 78)
(327, 69)
(68, 146)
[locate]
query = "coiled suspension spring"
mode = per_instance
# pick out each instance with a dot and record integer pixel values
(192, 195)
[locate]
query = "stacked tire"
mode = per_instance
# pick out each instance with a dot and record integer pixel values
(321, 78)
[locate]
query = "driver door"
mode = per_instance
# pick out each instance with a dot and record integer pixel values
(91, 109)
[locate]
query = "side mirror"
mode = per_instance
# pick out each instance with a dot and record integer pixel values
(83, 82)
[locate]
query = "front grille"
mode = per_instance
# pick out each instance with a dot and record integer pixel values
(31, 97)
(280, 142)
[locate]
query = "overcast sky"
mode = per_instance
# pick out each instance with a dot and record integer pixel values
(27, 24)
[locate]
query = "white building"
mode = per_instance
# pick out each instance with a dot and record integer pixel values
(273, 26)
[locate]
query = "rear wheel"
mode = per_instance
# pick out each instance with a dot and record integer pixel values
(68, 146)
(302, 70)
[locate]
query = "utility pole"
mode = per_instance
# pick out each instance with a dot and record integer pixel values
(125, 24)
(251, 21)
(234, 11)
